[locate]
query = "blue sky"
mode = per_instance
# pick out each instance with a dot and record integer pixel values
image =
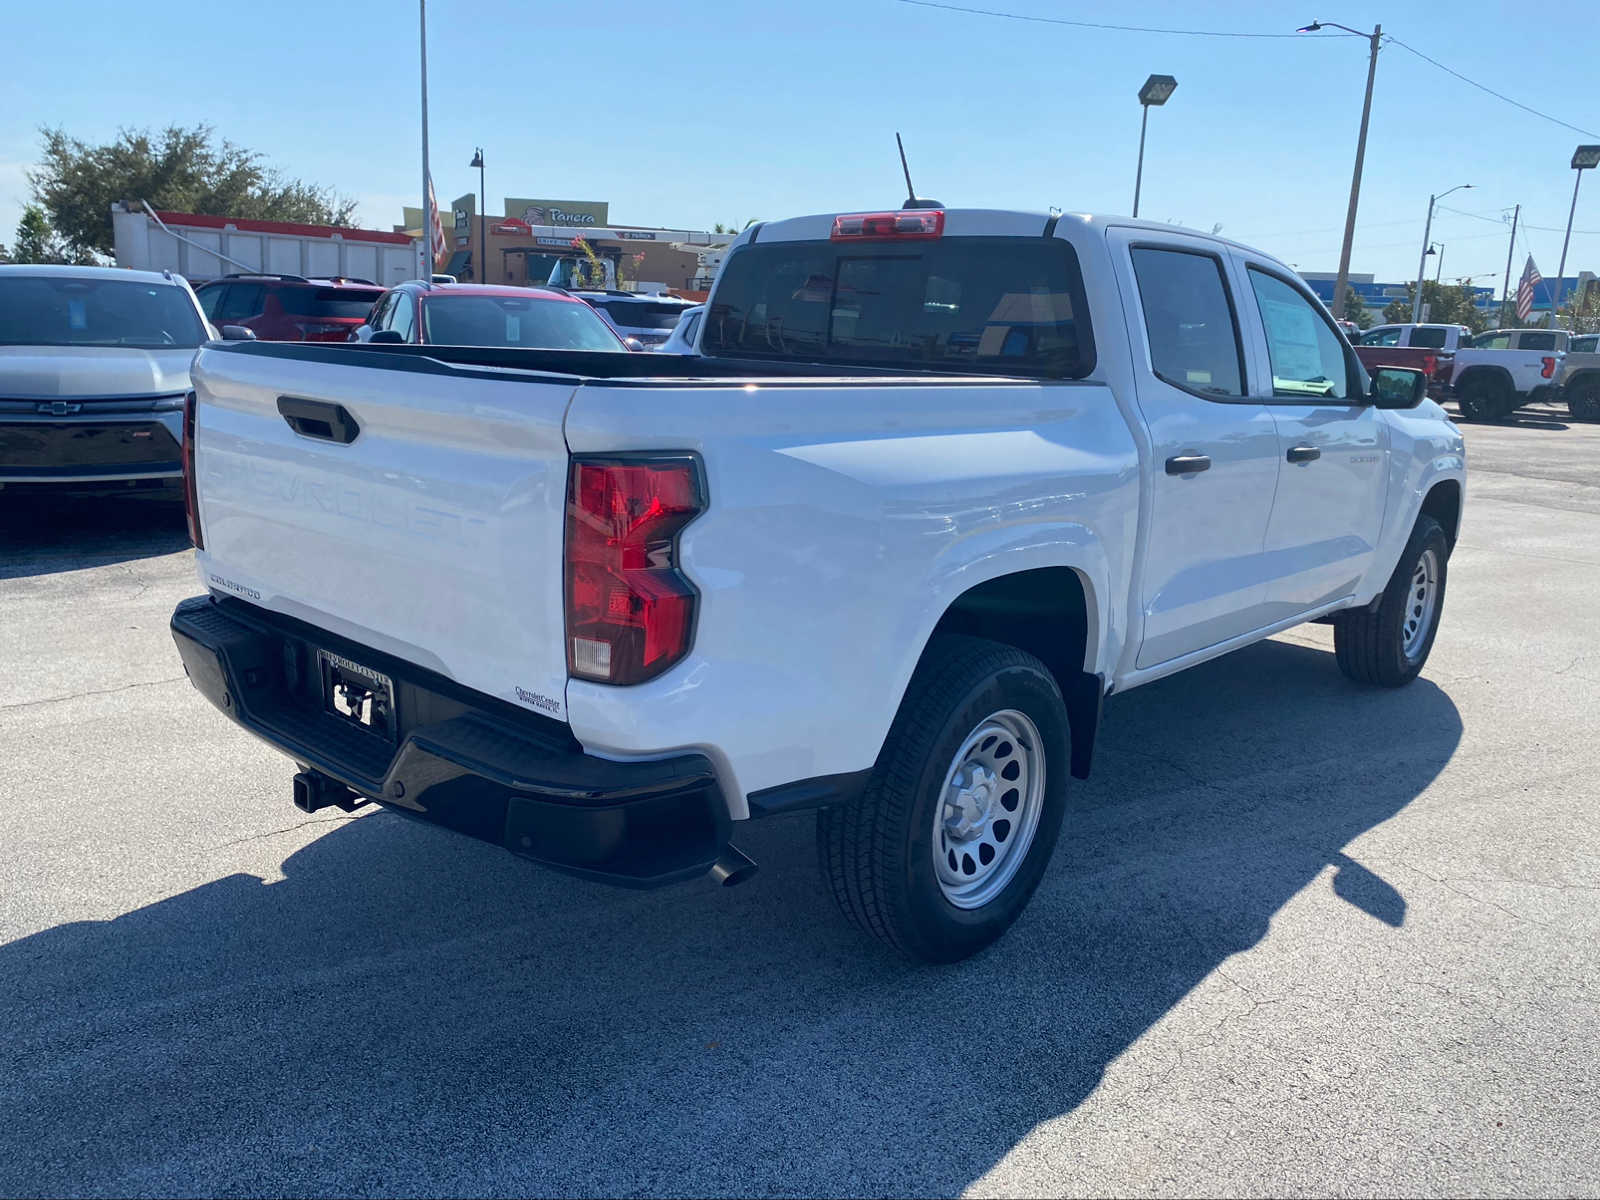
(702, 111)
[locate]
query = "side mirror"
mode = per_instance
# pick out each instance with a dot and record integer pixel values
(387, 337)
(1398, 387)
(238, 333)
(633, 343)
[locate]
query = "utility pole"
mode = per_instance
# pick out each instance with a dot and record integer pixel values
(1511, 250)
(427, 179)
(1374, 40)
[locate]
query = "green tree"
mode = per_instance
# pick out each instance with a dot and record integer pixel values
(1355, 309)
(1581, 313)
(189, 170)
(1447, 304)
(36, 242)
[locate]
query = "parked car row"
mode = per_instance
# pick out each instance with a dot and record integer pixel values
(1494, 373)
(438, 311)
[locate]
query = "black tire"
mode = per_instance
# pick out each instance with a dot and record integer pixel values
(877, 851)
(1371, 644)
(1583, 400)
(1484, 397)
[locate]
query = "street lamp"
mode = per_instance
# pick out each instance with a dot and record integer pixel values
(1583, 158)
(482, 269)
(1155, 91)
(1374, 39)
(1422, 259)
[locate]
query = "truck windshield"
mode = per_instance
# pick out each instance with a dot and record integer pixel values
(45, 310)
(514, 321)
(995, 305)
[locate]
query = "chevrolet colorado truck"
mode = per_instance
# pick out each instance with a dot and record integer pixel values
(936, 485)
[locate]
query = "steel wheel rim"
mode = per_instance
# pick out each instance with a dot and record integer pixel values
(988, 808)
(1422, 601)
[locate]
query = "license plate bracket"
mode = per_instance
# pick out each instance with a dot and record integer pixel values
(357, 695)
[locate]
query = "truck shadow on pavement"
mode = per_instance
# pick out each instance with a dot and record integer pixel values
(41, 534)
(405, 1012)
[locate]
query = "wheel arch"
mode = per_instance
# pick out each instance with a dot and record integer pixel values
(1052, 613)
(1480, 372)
(1443, 504)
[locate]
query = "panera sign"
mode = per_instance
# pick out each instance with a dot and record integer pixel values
(559, 212)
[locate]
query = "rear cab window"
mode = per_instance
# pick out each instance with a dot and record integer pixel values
(980, 305)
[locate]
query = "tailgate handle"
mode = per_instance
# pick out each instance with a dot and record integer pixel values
(319, 419)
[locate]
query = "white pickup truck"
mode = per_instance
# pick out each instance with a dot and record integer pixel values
(937, 484)
(1504, 369)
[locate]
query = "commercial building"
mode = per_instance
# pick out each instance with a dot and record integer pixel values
(1378, 296)
(533, 237)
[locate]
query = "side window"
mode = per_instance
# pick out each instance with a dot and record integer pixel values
(209, 297)
(402, 318)
(1307, 358)
(691, 328)
(1382, 337)
(1430, 337)
(380, 311)
(1497, 341)
(243, 301)
(1535, 340)
(1189, 320)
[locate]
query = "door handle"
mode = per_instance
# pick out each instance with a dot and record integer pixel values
(319, 419)
(1188, 464)
(1304, 454)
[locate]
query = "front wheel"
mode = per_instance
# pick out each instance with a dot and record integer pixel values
(945, 845)
(1583, 400)
(1389, 644)
(1484, 398)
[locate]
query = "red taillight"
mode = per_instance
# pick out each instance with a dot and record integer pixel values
(910, 223)
(630, 610)
(191, 495)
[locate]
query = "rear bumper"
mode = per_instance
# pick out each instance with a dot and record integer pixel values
(458, 759)
(90, 447)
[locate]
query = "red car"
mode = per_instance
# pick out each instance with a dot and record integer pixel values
(473, 314)
(289, 308)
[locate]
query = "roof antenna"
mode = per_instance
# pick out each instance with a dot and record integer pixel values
(912, 199)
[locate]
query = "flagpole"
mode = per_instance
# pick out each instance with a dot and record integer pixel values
(427, 178)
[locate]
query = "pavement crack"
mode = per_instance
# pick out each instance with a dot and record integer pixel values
(93, 692)
(272, 833)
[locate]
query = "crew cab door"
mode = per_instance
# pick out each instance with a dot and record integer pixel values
(1215, 450)
(1334, 445)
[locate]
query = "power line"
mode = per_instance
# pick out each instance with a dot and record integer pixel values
(1226, 33)
(1482, 88)
(1011, 16)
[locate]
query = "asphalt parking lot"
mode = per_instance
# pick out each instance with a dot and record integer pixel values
(1298, 937)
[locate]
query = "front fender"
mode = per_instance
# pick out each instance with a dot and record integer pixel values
(1425, 448)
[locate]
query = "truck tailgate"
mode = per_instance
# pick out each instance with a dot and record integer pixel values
(433, 534)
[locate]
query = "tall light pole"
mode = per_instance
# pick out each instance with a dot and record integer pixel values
(483, 218)
(1374, 40)
(1583, 158)
(427, 179)
(1155, 91)
(1438, 265)
(1422, 259)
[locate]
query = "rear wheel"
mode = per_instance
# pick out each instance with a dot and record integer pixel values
(1388, 645)
(1583, 400)
(944, 847)
(1484, 397)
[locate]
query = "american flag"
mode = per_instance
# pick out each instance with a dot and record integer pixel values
(1530, 279)
(439, 245)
